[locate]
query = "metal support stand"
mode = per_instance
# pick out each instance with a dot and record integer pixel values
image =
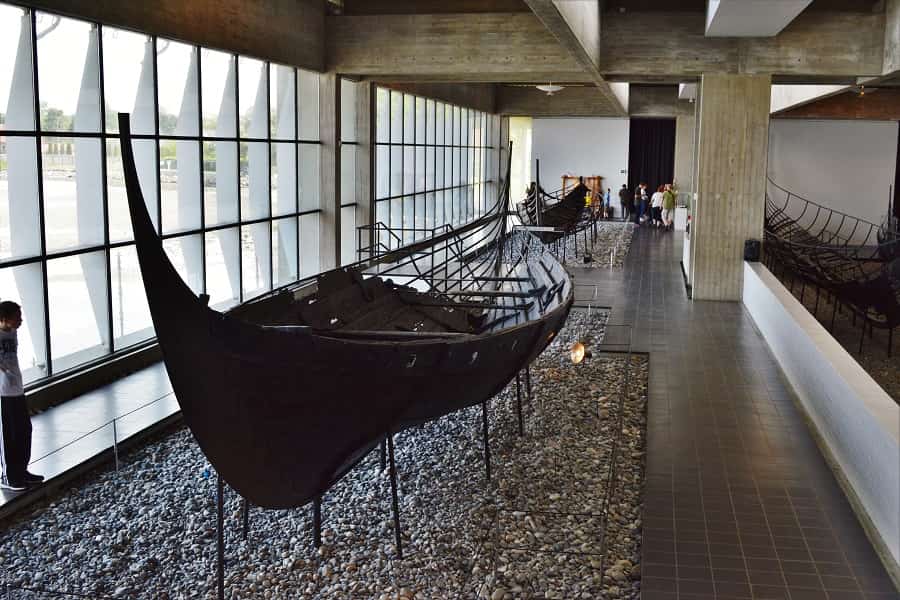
(519, 404)
(246, 519)
(317, 522)
(528, 381)
(487, 446)
(383, 454)
(862, 337)
(220, 535)
(395, 504)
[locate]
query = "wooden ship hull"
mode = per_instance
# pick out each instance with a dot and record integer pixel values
(287, 392)
(564, 213)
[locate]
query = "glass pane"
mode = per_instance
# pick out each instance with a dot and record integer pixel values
(439, 123)
(78, 309)
(420, 120)
(68, 74)
(429, 119)
(219, 107)
(179, 170)
(131, 313)
(128, 79)
(420, 169)
(178, 109)
(409, 169)
(73, 192)
(396, 117)
(222, 268)
(409, 118)
(348, 111)
(429, 167)
(252, 98)
(309, 245)
(382, 116)
(348, 174)
(348, 235)
(284, 178)
(282, 101)
(308, 104)
(309, 176)
(145, 163)
(284, 251)
(382, 215)
(255, 260)
(24, 286)
(20, 231)
(382, 171)
(396, 170)
(220, 182)
(254, 171)
(16, 78)
(186, 256)
(419, 212)
(409, 208)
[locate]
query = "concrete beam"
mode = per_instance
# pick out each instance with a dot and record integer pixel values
(891, 37)
(480, 96)
(329, 171)
(576, 24)
(877, 105)
(283, 31)
(527, 101)
(657, 101)
(488, 47)
(817, 43)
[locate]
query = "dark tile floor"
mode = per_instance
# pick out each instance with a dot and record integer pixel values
(739, 502)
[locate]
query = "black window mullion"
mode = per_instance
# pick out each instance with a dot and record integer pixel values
(199, 142)
(267, 71)
(154, 42)
(237, 133)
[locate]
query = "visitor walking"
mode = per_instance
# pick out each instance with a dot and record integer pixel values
(641, 200)
(668, 207)
(15, 424)
(626, 202)
(656, 203)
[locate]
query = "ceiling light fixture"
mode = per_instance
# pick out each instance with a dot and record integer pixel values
(550, 89)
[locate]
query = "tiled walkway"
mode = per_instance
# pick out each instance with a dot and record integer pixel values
(739, 501)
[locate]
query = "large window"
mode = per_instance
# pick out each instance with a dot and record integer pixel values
(227, 153)
(434, 165)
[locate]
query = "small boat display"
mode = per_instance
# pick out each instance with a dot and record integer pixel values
(563, 213)
(286, 392)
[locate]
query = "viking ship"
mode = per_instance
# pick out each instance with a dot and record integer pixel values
(836, 252)
(287, 392)
(563, 213)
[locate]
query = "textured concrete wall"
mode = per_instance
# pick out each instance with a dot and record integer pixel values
(684, 154)
(480, 96)
(731, 181)
(486, 47)
(284, 31)
(529, 101)
(877, 105)
(815, 43)
(657, 101)
(892, 37)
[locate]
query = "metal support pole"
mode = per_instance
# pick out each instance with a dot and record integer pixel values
(220, 534)
(394, 500)
(383, 454)
(317, 522)
(487, 445)
(519, 404)
(528, 381)
(246, 519)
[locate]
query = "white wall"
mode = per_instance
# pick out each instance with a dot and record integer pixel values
(845, 165)
(854, 417)
(582, 146)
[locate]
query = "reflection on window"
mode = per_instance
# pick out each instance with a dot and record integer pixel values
(76, 286)
(131, 313)
(204, 161)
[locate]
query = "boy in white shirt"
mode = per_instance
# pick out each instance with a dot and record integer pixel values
(15, 424)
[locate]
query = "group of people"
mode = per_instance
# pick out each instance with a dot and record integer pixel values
(656, 210)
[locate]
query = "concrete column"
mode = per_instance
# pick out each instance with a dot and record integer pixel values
(330, 171)
(365, 152)
(684, 156)
(730, 184)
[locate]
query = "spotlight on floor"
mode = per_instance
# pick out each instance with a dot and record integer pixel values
(578, 353)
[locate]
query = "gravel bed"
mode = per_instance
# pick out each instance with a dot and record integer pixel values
(538, 530)
(612, 241)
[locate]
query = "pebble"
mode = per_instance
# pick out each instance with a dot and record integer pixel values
(611, 238)
(148, 530)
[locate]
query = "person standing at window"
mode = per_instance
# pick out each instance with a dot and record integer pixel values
(15, 424)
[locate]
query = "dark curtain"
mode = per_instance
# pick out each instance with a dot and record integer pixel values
(896, 210)
(651, 153)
